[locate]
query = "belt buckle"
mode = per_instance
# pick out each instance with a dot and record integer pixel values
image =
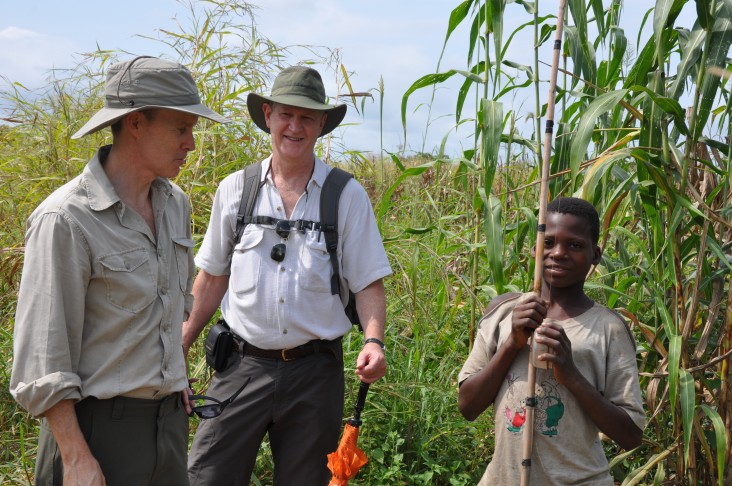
(283, 354)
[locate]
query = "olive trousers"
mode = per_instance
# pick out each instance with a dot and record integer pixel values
(136, 442)
(298, 404)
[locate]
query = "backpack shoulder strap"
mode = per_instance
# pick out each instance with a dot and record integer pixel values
(252, 174)
(329, 199)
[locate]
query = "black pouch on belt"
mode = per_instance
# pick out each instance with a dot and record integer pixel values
(219, 345)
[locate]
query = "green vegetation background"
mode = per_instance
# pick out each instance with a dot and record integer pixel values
(458, 228)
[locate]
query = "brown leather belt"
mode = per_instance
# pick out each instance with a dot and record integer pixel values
(312, 347)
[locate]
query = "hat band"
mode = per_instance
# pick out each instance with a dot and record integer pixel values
(136, 101)
(295, 90)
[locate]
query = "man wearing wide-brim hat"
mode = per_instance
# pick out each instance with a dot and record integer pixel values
(274, 289)
(106, 282)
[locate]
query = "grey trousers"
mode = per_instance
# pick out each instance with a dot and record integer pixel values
(135, 441)
(298, 403)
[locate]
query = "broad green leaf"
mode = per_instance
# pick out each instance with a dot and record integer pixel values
(688, 403)
(583, 136)
(598, 170)
(491, 117)
(497, 10)
(530, 7)
(619, 47)
(644, 62)
(674, 358)
(583, 51)
(719, 438)
(655, 461)
(494, 237)
(424, 81)
(660, 19)
(652, 130)
(599, 10)
(521, 67)
(704, 13)
(456, 18)
(719, 45)
(648, 58)
(467, 86)
(477, 29)
(582, 54)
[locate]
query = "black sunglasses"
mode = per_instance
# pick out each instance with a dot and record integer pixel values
(212, 410)
(282, 228)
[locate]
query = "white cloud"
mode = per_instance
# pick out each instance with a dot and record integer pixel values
(27, 57)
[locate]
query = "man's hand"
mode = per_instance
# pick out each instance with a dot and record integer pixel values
(84, 471)
(80, 466)
(371, 363)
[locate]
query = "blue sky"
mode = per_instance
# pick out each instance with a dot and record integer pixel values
(396, 40)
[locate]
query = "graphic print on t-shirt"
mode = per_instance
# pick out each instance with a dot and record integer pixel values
(549, 409)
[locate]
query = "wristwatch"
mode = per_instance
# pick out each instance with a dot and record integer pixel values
(377, 341)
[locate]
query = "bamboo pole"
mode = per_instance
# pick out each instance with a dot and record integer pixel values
(528, 437)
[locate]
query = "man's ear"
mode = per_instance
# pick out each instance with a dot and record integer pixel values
(133, 122)
(322, 120)
(267, 110)
(597, 256)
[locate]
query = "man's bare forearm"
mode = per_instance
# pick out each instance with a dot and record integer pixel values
(208, 290)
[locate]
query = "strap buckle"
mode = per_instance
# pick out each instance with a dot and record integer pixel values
(283, 354)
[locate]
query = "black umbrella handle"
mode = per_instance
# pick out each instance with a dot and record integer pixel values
(360, 402)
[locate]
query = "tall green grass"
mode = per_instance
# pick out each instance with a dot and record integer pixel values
(660, 175)
(458, 230)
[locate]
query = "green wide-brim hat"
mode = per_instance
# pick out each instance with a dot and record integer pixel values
(297, 86)
(144, 83)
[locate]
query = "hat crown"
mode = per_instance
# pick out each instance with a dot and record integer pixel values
(147, 81)
(301, 87)
(299, 81)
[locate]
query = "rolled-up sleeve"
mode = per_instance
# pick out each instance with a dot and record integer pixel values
(49, 319)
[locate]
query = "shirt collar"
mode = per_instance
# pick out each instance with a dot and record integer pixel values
(99, 188)
(319, 172)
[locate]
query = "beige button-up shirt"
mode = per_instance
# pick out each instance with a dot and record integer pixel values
(101, 299)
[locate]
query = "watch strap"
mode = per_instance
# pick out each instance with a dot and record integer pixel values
(376, 341)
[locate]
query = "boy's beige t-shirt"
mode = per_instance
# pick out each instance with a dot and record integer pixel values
(567, 447)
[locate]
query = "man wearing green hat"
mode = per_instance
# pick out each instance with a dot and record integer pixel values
(274, 290)
(106, 282)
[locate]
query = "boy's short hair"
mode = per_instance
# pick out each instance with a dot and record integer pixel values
(580, 208)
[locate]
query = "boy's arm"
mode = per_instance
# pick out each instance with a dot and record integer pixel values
(479, 391)
(611, 419)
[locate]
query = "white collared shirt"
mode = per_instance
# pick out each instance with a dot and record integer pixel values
(277, 305)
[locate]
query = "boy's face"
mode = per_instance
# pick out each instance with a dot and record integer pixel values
(569, 252)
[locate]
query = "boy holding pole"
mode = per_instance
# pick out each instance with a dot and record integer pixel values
(586, 378)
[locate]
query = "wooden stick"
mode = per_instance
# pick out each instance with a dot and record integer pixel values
(528, 437)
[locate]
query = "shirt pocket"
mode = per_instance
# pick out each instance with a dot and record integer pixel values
(183, 247)
(129, 279)
(315, 264)
(246, 261)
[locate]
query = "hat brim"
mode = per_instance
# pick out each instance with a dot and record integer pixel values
(336, 113)
(108, 116)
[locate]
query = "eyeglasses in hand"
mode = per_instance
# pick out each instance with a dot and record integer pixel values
(211, 410)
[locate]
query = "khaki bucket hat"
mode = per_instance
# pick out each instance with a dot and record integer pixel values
(297, 86)
(144, 83)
